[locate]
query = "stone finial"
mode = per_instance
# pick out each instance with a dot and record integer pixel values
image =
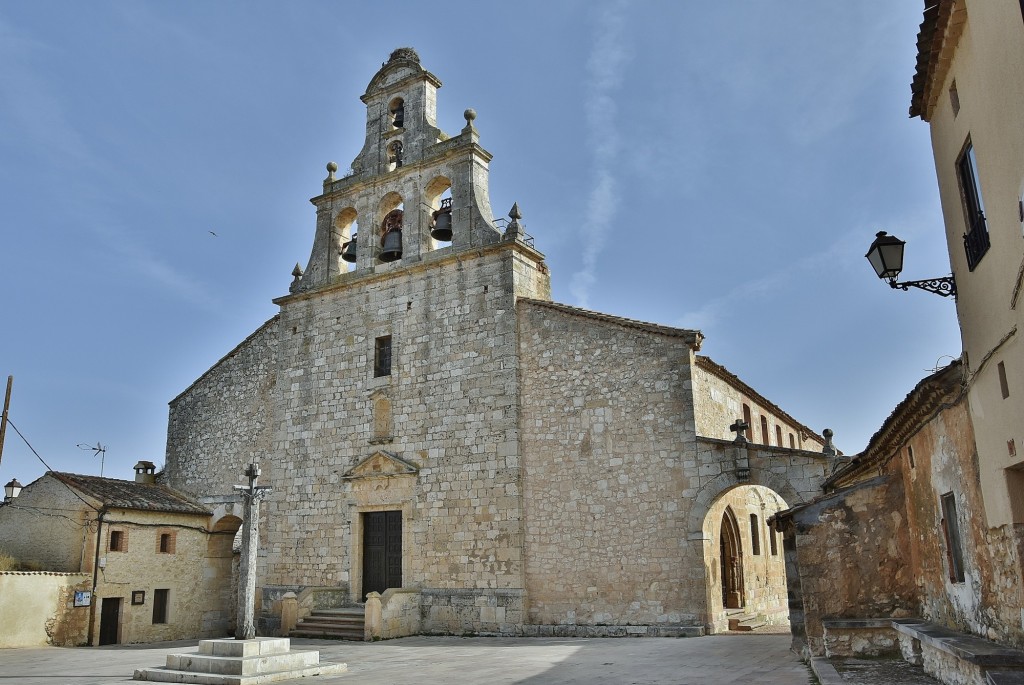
(296, 278)
(331, 169)
(403, 54)
(515, 229)
(829, 449)
(470, 115)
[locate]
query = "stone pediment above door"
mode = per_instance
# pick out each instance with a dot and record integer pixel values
(380, 464)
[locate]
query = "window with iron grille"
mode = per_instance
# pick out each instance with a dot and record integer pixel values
(382, 356)
(976, 240)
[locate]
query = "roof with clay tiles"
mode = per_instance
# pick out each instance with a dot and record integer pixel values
(128, 494)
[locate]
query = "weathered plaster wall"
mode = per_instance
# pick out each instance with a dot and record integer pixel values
(607, 423)
(988, 603)
(38, 609)
(853, 551)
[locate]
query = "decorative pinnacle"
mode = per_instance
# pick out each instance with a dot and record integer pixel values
(514, 213)
(297, 271)
(470, 115)
(331, 168)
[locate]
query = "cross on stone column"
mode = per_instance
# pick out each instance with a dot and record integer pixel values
(245, 628)
(739, 427)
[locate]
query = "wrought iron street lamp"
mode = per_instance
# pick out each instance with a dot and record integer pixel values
(12, 489)
(886, 258)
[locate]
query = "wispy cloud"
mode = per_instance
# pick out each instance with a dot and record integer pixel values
(605, 69)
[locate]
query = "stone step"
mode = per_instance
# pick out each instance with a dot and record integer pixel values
(242, 665)
(336, 634)
(168, 675)
(745, 622)
(259, 646)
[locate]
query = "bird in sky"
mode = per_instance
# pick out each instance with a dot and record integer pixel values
(213, 234)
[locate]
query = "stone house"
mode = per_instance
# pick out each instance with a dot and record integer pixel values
(933, 509)
(433, 425)
(155, 570)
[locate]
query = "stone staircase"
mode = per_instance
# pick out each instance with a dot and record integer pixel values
(743, 622)
(345, 623)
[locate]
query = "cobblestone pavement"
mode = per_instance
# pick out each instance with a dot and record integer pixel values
(715, 660)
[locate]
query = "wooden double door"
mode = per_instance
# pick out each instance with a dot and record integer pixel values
(382, 551)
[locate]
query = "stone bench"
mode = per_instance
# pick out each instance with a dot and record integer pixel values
(955, 657)
(872, 637)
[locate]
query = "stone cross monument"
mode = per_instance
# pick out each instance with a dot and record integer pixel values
(245, 628)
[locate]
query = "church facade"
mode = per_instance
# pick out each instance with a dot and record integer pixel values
(433, 425)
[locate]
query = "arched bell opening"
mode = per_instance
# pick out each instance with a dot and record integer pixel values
(439, 198)
(396, 113)
(344, 246)
(395, 151)
(744, 562)
(392, 214)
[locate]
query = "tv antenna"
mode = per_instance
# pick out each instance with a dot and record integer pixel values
(98, 450)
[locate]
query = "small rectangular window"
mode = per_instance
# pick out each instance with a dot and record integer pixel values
(755, 537)
(774, 542)
(1004, 387)
(778, 435)
(764, 431)
(160, 603)
(117, 541)
(951, 533)
(747, 419)
(792, 441)
(910, 456)
(382, 356)
(954, 99)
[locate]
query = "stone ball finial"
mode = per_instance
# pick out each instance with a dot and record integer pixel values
(332, 167)
(827, 433)
(470, 115)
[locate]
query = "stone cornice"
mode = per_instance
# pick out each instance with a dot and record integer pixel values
(430, 260)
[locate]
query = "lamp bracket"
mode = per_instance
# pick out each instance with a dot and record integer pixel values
(944, 286)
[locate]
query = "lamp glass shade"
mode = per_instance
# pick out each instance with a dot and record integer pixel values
(886, 256)
(12, 489)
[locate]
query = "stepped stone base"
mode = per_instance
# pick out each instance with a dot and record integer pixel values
(240, 662)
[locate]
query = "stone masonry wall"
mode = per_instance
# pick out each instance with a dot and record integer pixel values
(853, 551)
(718, 403)
(223, 420)
(45, 528)
(452, 394)
(607, 423)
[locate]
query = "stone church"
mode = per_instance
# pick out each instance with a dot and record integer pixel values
(442, 437)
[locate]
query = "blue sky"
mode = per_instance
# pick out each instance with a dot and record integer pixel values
(721, 166)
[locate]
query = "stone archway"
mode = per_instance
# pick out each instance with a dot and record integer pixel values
(221, 577)
(744, 564)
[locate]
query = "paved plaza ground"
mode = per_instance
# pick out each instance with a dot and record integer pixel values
(715, 660)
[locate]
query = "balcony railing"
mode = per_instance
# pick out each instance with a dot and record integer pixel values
(976, 242)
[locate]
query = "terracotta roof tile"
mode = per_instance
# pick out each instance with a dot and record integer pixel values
(127, 494)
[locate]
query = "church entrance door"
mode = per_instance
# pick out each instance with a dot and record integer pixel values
(382, 551)
(732, 562)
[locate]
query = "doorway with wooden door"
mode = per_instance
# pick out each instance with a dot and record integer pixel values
(382, 551)
(110, 620)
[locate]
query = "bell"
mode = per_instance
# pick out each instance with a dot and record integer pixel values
(442, 228)
(348, 250)
(391, 246)
(399, 120)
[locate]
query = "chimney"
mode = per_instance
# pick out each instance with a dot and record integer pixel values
(145, 472)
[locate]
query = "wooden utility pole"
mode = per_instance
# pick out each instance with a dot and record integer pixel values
(3, 417)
